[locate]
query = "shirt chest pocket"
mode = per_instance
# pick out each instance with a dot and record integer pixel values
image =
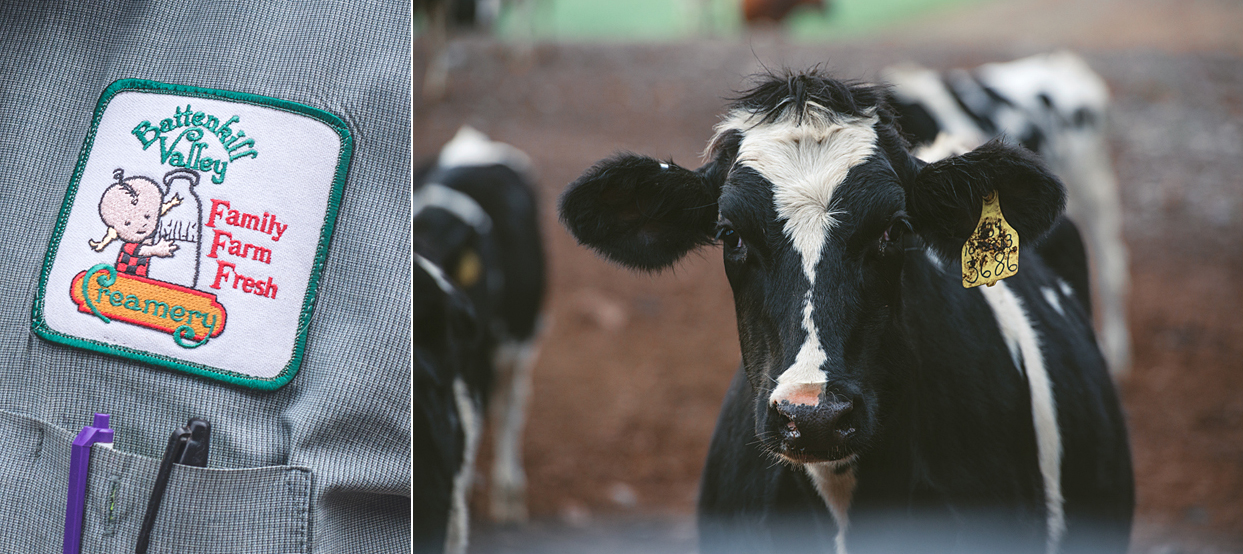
(204, 510)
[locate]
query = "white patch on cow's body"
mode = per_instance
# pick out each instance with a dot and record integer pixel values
(664, 166)
(436, 273)
(1065, 288)
(945, 146)
(912, 83)
(1024, 345)
(460, 204)
(1050, 296)
(1008, 119)
(805, 159)
(1062, 76)
(459, 510)
(936, 260)
(514, 361)
(837, 490)
(470, 147)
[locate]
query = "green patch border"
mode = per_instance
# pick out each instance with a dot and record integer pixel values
(345, 154)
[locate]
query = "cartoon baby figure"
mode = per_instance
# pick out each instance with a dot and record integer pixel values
(131, 208)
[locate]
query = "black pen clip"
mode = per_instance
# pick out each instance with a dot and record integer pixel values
(188, 446)
(194, 452)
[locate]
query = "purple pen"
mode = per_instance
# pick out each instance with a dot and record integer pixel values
(79, 463)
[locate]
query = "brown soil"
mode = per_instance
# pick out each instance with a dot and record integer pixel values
(634, 366)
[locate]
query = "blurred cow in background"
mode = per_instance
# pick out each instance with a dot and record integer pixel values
(475, 217)
(446, 340)
(1055, 105)
(757, 11)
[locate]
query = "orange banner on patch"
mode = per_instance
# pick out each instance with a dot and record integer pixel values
(191, 316)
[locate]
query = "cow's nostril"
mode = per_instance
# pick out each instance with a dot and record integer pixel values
(791, 431)
(844, 424)
(785, 423)
(812, 429)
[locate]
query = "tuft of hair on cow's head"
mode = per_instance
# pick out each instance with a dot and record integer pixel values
(812, 192)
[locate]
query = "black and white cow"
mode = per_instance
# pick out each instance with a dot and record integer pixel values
(475, 217)
(880, 406)
(446, 342)
(1055, 105)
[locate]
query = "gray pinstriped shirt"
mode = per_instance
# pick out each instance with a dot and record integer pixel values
(321, 465)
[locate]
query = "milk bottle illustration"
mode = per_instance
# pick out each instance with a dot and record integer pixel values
(183, 225)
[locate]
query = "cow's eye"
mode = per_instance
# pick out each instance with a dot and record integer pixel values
(893, 233)
(735, 249)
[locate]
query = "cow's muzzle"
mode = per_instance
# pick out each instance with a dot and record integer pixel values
(816, 429)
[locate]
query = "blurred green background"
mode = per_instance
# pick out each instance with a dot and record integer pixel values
(671, 20)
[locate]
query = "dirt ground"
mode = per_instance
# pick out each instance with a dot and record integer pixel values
(634, 366)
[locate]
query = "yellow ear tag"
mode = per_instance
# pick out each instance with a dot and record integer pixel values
(992, 252)
(469, 268)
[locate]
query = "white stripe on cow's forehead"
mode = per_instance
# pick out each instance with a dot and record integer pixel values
(805, 158)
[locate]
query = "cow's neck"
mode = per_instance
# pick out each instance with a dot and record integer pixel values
(835, 481)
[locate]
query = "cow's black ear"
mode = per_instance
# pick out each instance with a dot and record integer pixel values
(640, 212)
(945, 199)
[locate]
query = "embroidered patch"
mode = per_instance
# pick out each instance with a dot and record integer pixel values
(194, 231)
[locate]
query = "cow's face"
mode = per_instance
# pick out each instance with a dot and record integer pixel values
(811, 194)
(811, 220)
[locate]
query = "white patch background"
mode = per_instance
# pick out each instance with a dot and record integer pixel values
(292, 178)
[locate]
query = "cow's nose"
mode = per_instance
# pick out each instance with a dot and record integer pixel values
(818, 429)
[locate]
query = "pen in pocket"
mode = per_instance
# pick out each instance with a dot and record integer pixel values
(188, 446)
(79, 465)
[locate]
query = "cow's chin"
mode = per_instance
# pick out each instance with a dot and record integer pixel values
(841, 455)
(799, 457)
